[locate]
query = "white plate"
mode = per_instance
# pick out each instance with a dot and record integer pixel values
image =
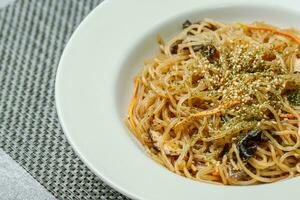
(94, 84)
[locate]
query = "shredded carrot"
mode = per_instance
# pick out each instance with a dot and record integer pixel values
(215, 173)
(289, 116)
(207, 112)
(216, 110)
(232, 103)
(132, 103)
(278, 32)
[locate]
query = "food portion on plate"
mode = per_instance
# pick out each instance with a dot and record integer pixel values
(221, 103)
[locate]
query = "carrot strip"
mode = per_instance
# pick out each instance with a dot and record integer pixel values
(216, 110)
(278, 32)
(289, 116)
(207, 112)
(215, 173)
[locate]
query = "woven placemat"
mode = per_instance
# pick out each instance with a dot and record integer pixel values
(33, 34)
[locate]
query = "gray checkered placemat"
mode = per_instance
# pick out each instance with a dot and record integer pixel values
(33, 34)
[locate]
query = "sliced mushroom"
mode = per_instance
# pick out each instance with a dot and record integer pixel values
(156, 138)
(237, 174)
(172, 148)
(297, 65)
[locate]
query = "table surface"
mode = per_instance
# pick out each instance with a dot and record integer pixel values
(36, 161)
(15, 182)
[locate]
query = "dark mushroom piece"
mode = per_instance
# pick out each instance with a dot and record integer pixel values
(225, 149)
(247, 145)
(186, 24)
(209, 51)
(211, 27)
(174, 47)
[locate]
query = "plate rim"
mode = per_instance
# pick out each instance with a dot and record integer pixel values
(57, 89)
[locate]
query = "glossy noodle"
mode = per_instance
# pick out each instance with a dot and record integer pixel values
(221, 103)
